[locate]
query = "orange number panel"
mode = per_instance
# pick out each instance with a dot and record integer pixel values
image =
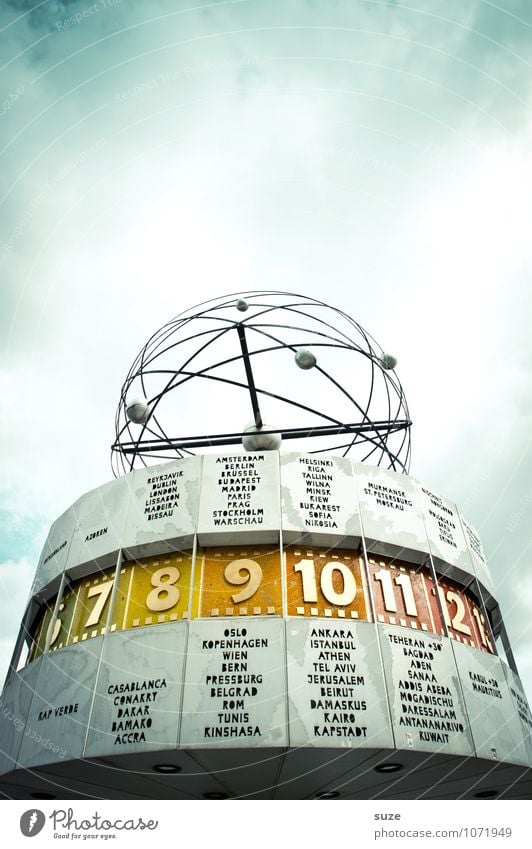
(240, 581)
(325, 582)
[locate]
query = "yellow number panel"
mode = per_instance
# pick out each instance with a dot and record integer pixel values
(61, 627)
(324, 582)
(40, 629)
(154, 590)
(92, 606)
(242, 581)
(63, 624)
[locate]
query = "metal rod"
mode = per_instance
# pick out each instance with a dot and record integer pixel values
(249, 374)
(235, 438)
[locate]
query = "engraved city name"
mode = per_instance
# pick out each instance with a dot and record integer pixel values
(163, 495)
(237, 480)
(232, 687)
(133, 701)
(427, 705)
(336, 685)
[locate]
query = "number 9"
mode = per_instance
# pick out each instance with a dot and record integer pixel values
(252, 576)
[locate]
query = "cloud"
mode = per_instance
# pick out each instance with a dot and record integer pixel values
(16, 577)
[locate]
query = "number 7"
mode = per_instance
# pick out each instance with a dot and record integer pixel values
(103, 590)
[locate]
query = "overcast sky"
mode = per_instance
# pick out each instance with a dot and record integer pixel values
(372, 153)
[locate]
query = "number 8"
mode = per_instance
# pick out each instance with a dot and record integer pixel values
(155, 600)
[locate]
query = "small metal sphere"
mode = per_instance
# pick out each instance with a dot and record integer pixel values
(242, 305)
(305, 359)
(137, 411)
(254, 440)
(388, 362)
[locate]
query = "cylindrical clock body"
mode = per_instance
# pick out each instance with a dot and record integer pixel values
(271, 624)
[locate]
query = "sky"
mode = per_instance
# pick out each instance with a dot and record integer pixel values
(376, 154)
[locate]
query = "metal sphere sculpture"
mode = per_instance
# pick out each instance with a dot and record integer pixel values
(321, 380)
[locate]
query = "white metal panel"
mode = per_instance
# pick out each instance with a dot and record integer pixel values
(55, 552)
(522, 708)
(448, 544)
(337, 695)
(426, 702)
(235, 687)
(60, 707)
(497, 733)
(240, 499)
(391, 517)
(14, 707)
(478, 557)
(101, 515)
(319, 501)
(138, 693)
(163, 507)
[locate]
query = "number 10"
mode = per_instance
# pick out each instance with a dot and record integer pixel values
(310, 587)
